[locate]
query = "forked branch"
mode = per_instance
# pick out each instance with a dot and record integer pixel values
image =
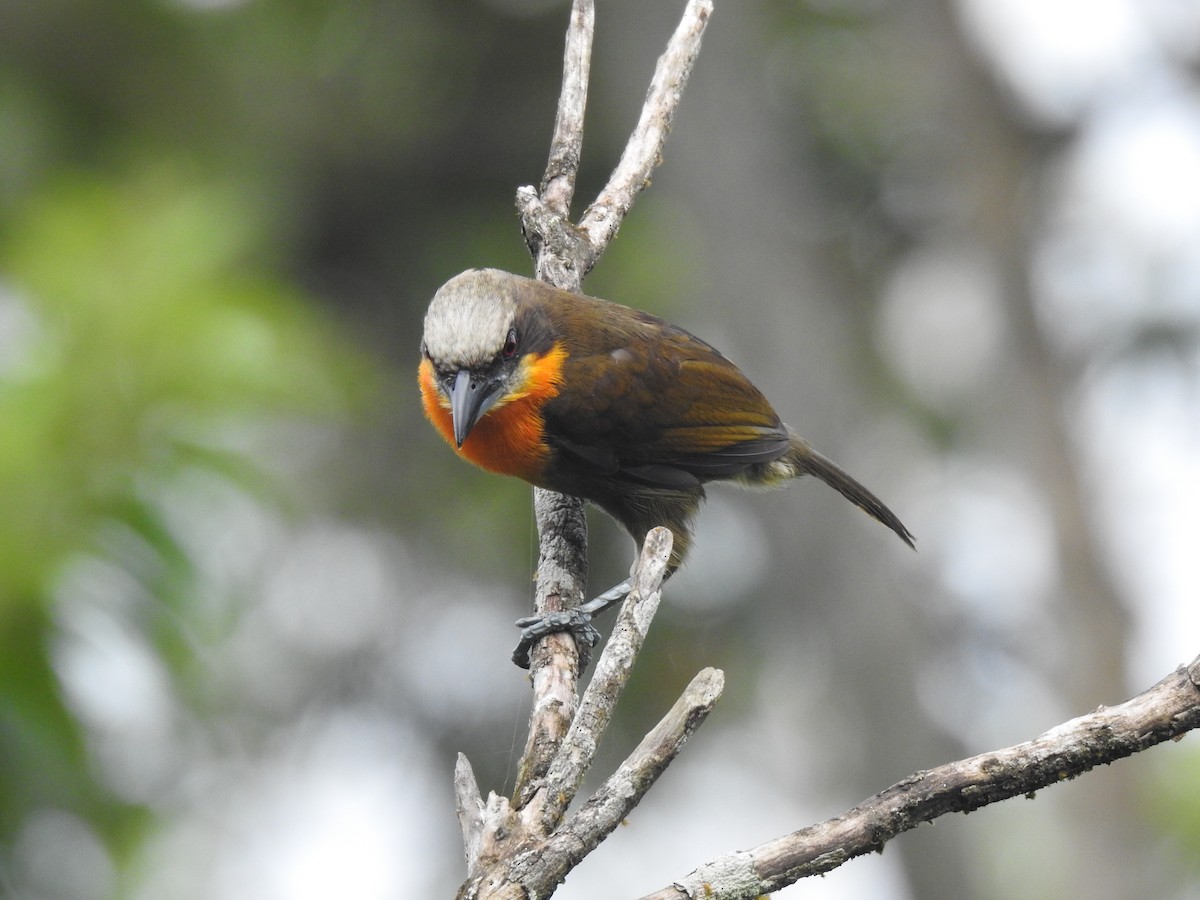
(565, 253)
(524, 848)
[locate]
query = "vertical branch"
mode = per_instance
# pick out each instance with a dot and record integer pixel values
(564, 253)
(554, 667)
(557, 248)
(566, 147)
(571, 763)
(561, 523)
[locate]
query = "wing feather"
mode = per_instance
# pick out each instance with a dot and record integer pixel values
(658, 405)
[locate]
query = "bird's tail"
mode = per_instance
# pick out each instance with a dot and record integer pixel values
(807, 461)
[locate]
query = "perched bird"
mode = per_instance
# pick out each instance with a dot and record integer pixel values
(593, 399)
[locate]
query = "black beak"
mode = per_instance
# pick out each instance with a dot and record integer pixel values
(470, 397)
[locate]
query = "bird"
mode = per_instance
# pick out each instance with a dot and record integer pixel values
(601, 401)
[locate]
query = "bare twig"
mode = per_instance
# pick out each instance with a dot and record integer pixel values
(1164, 712)
(624, 789)
(468, 804)
(523, 846)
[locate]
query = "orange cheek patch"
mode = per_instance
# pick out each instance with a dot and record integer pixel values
(432, 399)
(509, 439)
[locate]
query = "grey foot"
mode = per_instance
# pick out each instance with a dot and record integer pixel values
(534, 628)
(577, 621)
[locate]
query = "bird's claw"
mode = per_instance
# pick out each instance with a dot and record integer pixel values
(534, 628)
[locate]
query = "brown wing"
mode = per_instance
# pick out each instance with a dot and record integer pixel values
(657, 404)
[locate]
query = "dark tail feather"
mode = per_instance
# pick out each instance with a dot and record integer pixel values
(809, 462)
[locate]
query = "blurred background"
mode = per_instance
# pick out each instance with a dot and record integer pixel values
(251, 606)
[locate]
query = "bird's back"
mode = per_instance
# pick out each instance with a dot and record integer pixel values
(652, 402)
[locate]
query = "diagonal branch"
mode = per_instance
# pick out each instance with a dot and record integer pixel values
(1164, 712)
(612, 673)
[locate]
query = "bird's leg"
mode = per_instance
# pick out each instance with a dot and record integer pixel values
(577, 621)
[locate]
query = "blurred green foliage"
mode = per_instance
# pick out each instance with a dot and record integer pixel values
(161, 167)
(144, 327)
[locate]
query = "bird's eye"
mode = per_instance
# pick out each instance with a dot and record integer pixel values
(510, 344)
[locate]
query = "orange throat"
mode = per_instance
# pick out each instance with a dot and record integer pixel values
(510, 438)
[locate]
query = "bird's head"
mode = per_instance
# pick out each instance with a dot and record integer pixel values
(473, 341)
